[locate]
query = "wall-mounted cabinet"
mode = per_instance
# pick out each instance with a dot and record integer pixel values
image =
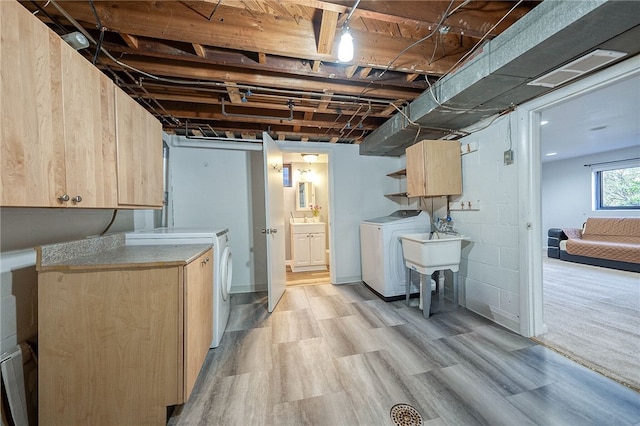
(58, 133)
(139, 139)
(434, 168)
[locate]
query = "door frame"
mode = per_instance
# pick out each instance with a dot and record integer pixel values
(320, 148)
(530, 177)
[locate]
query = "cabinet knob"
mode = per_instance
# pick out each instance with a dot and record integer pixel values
(63, 198)
(76, 199)
(205, 261)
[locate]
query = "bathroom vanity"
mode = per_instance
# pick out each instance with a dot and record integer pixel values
(308, 245)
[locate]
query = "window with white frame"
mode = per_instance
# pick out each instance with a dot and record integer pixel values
(616, 185)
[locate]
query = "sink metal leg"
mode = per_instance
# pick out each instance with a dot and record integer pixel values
(455, 290)
(408, 285)
(441, 289)
(425, 291)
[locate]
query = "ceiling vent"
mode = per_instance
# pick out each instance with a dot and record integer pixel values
(587, 63)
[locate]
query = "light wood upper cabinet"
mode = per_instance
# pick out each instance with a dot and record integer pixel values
(32, 169)
(63, 140)
(89, 133)
(139, 137)
(434, 168)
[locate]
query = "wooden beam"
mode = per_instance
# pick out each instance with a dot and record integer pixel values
(241, 31)
(132, 41)
(225, 58)
(327, 32)
(411, 77)
(308, 116)
(364, 72)
(262, 58)
(316, 66)
(199, 49)
(334, 139)
(234, 93)
(391, 109)
(161, 94)
(248, 77)
(281, 137)
(230, 135)
(351, 70)
(325, 101)
(198, 113)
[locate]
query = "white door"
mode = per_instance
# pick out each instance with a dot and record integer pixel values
(274, 227)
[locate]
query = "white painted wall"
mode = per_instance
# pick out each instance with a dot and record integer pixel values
(567, 191)
(218, 187)
(213, 188)
(489, 270)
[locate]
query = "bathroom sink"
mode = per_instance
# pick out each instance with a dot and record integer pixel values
(427, 253)
(301, 227)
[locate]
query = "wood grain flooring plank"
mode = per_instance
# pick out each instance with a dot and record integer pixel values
(303, 369)
(280, 369)
(290, 326)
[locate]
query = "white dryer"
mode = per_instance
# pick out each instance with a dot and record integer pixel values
(383, 269)
(222, 266)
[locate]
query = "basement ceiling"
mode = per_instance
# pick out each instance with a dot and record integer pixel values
(235, 68)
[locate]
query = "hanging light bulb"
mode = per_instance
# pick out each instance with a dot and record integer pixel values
(345, 48)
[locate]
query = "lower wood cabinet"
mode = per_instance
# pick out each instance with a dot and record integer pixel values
(119, 345)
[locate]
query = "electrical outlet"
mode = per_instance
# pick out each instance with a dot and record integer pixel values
(508, 157)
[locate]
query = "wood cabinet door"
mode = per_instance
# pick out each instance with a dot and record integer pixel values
(198, 317)
(415, 170)
(108, 346)
(31, 129)
(139, 150)
(89, 128)
(434, 168)
(317, 249)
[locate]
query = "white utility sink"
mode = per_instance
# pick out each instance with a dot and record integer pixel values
(427, 253)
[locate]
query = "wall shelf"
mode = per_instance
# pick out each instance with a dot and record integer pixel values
(398, 174)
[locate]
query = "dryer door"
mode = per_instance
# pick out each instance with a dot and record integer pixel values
(226, 272)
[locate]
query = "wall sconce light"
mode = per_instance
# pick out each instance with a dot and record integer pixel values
(77, 40)
(277, 167)
(310, 158)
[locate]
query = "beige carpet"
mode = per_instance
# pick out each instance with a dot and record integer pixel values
(593, 316)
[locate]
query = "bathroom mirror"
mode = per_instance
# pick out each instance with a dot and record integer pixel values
(305, 196)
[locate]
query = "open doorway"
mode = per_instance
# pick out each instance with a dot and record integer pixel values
(561, 197)
(306, 206)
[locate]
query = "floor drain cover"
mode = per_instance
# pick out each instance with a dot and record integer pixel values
(405, 415)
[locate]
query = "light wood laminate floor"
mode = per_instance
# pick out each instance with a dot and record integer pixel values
(338, 355)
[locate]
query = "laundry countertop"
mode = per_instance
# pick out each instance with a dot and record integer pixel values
(111, 253)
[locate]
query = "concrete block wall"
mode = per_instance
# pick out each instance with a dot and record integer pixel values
(489, 270)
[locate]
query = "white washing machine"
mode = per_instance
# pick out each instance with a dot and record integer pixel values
(222, 266)
(383, 269)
